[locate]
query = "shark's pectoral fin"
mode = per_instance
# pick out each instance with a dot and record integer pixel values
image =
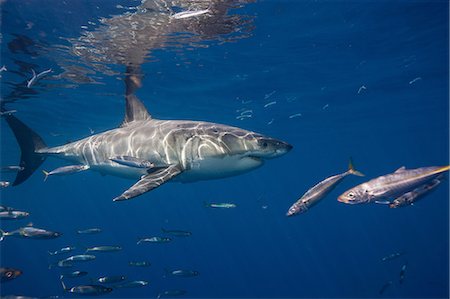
(150, 181)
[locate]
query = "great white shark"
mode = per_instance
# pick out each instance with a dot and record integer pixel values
(181, 150)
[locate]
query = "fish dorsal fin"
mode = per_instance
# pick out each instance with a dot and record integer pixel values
(401, 169)
(134, 110)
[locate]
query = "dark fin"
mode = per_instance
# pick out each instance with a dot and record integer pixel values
(29, 143)
(2, 235)
(134, 110)
(352, 170)
(149, 182)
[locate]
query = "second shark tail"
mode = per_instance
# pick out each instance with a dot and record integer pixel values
(30, 142)
(352, 170)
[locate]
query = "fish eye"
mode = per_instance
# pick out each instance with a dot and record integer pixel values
(9, 274)
(351, 194)
(264, 144)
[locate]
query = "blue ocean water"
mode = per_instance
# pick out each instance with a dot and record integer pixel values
(366, 79)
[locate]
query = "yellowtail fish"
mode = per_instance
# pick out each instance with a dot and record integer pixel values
(110, 279)
(62, 250)
(65, 170)
(411, 197)
(7, 274)
(223, 205)
(139, 264)
(104, 248)
(73, 274)
(79, 258)
(90, 290)
(132, 284)
(154, 240)
(391, 185)
(89, 231)
(176, 233)
(183, 273)
(13, 214)
(319, 191)
(30, 232)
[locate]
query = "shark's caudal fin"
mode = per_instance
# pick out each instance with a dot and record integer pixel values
(352, 170)
(29, 143)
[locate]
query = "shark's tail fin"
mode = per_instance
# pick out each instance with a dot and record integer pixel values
(29, 143)
(352, 170)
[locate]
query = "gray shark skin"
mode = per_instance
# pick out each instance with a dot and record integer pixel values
(181, 150)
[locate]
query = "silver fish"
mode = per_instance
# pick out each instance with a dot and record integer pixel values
(402, 273)
(171, 293)
(139, 264)
(80, 258)
(132, 162)
(319, 191)
(73, 274)
(189, 14)
(12, 168)
(30, 232)
(65, 170)
(35, 77)
(391, 185)
(132, 284)
(183, 273)
(392, 256)
(62, 250)
(104, 248)
(411, 197)
(224, 205)
(89, 231)
(7, 274)
(4, 184)
(155, 240)
(111, 279)
(13, 214)
(90, 289)
(176, 233)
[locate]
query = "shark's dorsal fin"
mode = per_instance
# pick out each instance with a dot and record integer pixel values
(401, 169)
(134, 110)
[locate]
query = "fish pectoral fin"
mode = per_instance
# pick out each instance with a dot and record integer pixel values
(150, 181)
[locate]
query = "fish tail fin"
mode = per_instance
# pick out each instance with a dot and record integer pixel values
(443, 168)
(61, 277)
(352, 170)
(46, 174)
(30, 142)
(139, 241)
(51, 253)
(159, 296)
(2, 234)
(63, 285)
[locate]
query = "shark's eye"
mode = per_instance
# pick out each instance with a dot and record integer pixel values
(264, 144)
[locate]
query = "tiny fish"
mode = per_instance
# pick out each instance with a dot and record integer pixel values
(11, 169)
(65, 170)
(90, 290)
(8, 112)
(13, 214)
(3, 69)
(384, 287)
(89, 231)
(171, 293)
(361, 89)
(154, 240)
(30, 232)
(319, 191)
(414, 80)
(7, 274)
(177, 233)
(392, 256)
(73, 274)
(132, 284)
(189, 14)
(224, 205)
(325, 106)
(111, 279)
(269, 95)
(104, 248)
(270, 104)
(4, 184)
(132, 162)
(62, 250)
(139, 264)
(295, 115)
(411, 197)
(402, 273)
(35, 77)
(80, 258)
(183, 273)
(391, 185)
